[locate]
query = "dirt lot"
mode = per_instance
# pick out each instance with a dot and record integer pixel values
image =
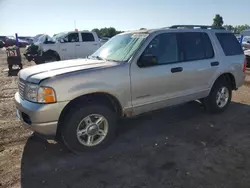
(181, 146)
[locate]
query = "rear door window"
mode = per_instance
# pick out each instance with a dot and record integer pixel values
(195, 46)
(87, 37)
(229, 44)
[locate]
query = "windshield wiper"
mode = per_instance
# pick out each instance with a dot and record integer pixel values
(96, 57)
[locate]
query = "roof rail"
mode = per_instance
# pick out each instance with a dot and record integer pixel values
(195, 27)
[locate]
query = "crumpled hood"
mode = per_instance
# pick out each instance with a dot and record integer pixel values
(37, 73)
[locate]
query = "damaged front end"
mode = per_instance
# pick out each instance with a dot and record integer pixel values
(33, 53)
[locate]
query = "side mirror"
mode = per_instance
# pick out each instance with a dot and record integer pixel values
(147, 61)
(61, 40)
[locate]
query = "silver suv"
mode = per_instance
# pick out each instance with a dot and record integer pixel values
(80, 100)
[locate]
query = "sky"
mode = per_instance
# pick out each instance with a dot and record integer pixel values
(31, 17)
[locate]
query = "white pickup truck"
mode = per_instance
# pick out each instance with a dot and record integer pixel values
(63, 46)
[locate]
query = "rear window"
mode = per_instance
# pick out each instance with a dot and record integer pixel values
(229, 44)
(87, 37)
(195, 46)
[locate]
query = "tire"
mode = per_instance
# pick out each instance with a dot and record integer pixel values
(50, 57)
(210, 102)
(39, 60)
(77, 115)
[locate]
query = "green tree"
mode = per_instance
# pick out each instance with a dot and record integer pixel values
(218, 21)
(229, 27)
(97, 31)
(239, 28)
(106, 32)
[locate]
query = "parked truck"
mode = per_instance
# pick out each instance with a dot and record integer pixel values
(63, 46)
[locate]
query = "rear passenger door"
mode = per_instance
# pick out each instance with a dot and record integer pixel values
(199, 62)
(87, 46)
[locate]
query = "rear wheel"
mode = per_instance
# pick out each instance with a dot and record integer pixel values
(219, 97)
(89, 128)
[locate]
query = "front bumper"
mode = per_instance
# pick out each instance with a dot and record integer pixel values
(32, 57)
(41, 118)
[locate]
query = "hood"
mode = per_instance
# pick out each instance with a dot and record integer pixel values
(40, 72)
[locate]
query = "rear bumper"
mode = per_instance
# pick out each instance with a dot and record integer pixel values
(41, 118)
(240, 80)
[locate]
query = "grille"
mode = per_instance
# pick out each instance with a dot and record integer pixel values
(21, 88)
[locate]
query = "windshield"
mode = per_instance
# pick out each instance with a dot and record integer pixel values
(59, 36)
(121, 47)
(44, 38)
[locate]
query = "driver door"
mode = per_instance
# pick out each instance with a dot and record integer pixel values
(68, 47)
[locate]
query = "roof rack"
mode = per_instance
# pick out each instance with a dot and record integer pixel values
(195, 27)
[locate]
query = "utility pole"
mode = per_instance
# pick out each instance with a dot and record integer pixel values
(75, 25)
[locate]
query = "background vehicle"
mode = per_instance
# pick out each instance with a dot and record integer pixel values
(11, 41)
(29, 40)
(2, 44)
(247, 54)
(63, 46)
(133, 73)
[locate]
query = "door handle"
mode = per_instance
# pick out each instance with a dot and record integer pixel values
(64, 49)
(176, 69)
(216, 63)
(77, 44)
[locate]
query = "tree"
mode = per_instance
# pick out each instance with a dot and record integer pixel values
(106, 32)
(229, 27)
(218, 21)
(97, 31)
(239, 28)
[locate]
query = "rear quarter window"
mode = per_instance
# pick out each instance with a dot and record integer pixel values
(229, 44)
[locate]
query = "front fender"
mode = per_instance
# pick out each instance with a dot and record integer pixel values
(98, 87)
(52, 47)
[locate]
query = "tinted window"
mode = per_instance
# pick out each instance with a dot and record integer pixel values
(72, 37)
(164, 47)
(87, 37)
(229, 44)
(195, 46)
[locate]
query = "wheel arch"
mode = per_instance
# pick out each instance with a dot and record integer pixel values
(92, 98)
(229, 77)
(50, 51)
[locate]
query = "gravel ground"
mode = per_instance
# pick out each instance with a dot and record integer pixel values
(177, 147)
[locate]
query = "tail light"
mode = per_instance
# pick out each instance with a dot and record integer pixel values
(245, 65)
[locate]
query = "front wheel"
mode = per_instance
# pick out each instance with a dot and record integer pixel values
(89, 128)
(219, 97)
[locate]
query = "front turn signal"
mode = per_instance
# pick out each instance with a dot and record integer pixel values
(46, 95)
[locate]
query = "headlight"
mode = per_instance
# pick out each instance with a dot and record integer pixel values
(31, 92)
(46, 95)
(40, 94)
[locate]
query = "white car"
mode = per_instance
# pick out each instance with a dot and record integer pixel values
(63, 46)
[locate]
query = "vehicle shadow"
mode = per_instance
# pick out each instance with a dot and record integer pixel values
(13, 72)
(151, 150)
